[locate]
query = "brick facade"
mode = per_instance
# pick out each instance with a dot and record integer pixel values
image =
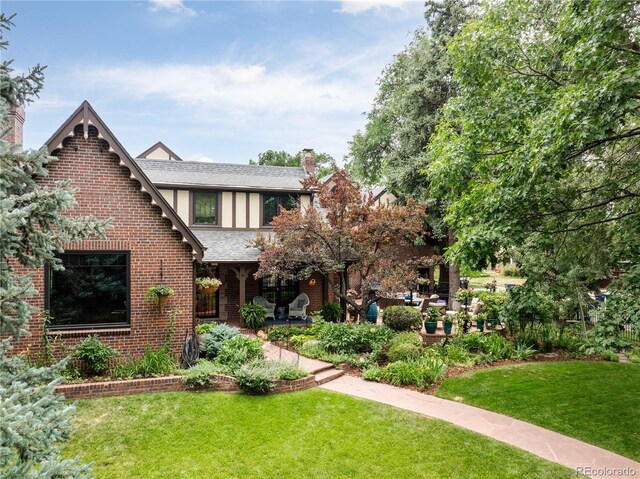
(107, 190)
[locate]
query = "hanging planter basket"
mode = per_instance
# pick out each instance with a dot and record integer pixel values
(159, 294)
(208, 286)
(162, 300)
(209, 290)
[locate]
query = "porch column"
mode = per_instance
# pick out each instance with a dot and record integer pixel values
(242, 273)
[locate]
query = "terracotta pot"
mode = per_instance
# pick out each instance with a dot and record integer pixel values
(162, 299)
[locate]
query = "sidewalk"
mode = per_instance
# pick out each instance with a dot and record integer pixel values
(577, 455)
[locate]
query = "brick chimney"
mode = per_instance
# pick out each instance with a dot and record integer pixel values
(308, 161)
(16, 122)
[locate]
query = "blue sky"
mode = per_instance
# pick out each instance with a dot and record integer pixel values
(215, 81)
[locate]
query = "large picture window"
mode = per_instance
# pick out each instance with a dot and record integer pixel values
(205, 208)
(271, 205)
(92, 290)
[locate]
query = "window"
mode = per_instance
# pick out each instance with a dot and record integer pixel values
(207, 304)
(205, 208)
(281, 292)
(271, 205)
(92, 290)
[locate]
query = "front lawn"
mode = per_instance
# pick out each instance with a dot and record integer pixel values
(595, 402)
(310, 434)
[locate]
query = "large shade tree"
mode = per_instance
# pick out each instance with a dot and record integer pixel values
(348, 234)
(33, 420)
(540, 149)
(325, 163)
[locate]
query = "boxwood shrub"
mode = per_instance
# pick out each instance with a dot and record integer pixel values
(402, 318)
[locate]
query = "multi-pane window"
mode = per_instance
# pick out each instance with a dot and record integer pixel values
(271, 205)
(205, 208)
(93, 289)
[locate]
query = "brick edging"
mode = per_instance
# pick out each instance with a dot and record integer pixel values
(168, 384)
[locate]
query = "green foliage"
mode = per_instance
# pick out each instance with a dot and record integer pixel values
(349, 338)
(212, 341)
(403, 352)
(253, 315)
(406, 337)
(372, 373)
(492, 302)
(255, 378)
(610, 356)
(420, 373)
(331, 312)
(511, 269)
(325, 163)
(95, 354)
(313, 349)
(402, 318)
(204, 328)
(237, 351)
(299, 339)
(154, 363)
(155, 292)
(200, 375)
(457, 355)
(433, 315)
(280, 333)
(547, 162)
(523, 352)
(526, 305)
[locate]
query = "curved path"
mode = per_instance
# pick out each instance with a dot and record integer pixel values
(577, 455)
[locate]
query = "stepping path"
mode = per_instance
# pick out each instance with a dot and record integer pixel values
(577, 455)
(324, 372)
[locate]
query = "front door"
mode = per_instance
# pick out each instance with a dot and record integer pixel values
(207, 304)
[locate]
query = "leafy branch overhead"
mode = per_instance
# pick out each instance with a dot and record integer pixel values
(349, 233)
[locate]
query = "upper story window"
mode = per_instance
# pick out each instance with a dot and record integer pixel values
(205, 208)
(92, 290)
(271, 205)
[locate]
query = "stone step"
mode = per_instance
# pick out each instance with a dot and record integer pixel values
(323, 368)
(328, 375)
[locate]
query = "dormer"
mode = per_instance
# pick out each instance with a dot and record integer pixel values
(159, 151)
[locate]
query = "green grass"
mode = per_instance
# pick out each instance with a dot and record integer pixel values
(501, 280)
(310, 434)
(595, 402)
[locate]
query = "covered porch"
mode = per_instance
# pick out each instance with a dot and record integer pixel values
(229, 259)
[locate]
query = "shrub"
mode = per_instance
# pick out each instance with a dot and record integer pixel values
(237, 351)
(522, 352)
(420, 373)
(406, 338)
(255, 378)
(299, 339)
(331, 312)
(456, 355)
(154, 363)
(200, 375)
(205, 328)
(511, 269)
(281, 333)
(213, 340)
(610, 356)
(403, 352)
(372, 373)
(313, 349)
(402, 318)
(253, 315)
(95, 354)
(287, 371)
(371, 337)
(338, 338)
(525, 305)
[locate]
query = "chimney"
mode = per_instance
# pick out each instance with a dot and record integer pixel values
(16, 122)
(308, 161)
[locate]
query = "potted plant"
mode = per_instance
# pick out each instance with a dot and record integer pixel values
(480, 319)
(464, 296)
(431, 320)
(447, 323)
(253, 315)
(462, 319)
(208, 285)
(159, 294)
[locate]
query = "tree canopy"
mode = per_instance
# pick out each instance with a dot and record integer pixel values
(325, 163)
(350, 235)
(539, 149)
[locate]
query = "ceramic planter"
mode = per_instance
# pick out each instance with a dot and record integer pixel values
(431, 326)
(447, 328)
(480, 325)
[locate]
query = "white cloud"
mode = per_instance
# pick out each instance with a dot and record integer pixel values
(199, 157)
(173, 6)
(356, 7)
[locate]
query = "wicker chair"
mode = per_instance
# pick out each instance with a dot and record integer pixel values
(270, 307)
(298, 307)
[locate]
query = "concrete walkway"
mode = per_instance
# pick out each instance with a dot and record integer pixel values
(577, 455)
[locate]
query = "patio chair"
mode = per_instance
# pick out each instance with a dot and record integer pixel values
(298, 307)
(270, 307)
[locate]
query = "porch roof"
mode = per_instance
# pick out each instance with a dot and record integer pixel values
(228, 246)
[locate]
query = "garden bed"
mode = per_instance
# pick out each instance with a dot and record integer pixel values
(95, 389)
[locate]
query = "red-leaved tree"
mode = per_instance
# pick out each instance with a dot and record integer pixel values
(345, 234)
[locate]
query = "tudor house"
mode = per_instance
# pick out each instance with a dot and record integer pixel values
(171, 221)
(225, 205)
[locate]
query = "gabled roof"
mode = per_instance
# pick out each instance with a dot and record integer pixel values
(163, 147)
(86, 116)
(225, 175)
(229, 246)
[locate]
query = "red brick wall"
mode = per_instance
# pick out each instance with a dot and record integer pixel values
(107, 191)
(315, 292)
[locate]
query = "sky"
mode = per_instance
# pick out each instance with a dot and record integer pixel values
(215, 81)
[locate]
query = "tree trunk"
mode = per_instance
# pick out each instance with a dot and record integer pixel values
(454, 273)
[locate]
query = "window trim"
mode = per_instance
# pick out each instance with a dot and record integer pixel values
(192, 209)
(297, 196)
(89, 326)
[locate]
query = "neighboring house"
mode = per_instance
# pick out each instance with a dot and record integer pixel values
(225, 205)
(102, 289)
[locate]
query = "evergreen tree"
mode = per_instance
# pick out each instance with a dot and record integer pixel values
(33, 420)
